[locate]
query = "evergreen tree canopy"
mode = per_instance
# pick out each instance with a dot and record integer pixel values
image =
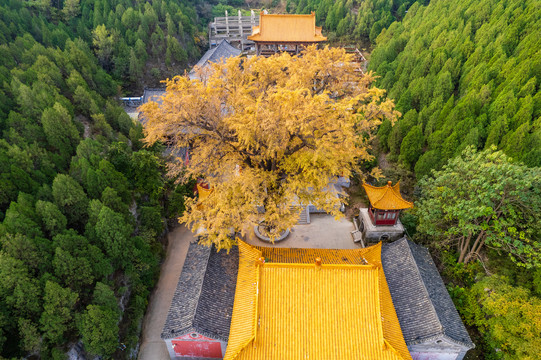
(471, 70)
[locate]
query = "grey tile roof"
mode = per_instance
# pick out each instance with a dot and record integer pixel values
(203, 299)
(423, 305)
(182, 310)
(153, 94)
(215, 306)
(219, 53)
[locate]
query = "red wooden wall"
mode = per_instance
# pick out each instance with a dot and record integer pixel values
(196, 345)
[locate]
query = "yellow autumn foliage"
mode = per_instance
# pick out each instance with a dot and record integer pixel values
(268, 133)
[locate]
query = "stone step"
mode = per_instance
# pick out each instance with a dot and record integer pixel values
(304, 216)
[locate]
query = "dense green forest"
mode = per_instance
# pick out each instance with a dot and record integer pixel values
(137, 42)
(82, 203)
(471, 77)
(353, 20)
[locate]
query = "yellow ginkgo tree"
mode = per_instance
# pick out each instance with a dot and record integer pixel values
(266, 134)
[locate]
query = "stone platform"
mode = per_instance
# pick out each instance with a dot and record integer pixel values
(373, 234)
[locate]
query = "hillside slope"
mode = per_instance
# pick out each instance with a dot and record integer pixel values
(462, 73)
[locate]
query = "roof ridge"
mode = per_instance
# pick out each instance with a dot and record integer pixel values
(399, 196)
(382, 195)
(444, 331)
(379, 320)
(243, 307)
(289, 15)
(388, 344)
(325, 266)
(374, 188)
(418, 271)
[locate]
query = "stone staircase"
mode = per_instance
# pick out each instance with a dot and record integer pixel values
(304, 215)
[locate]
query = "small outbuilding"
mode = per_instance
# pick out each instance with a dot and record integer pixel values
(197, 324)
(380, 222)
(386, 202)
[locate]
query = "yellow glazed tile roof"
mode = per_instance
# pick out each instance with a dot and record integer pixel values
(287, 28)
(243, 326)
(328, 256)
(386, 197)
(302, 310)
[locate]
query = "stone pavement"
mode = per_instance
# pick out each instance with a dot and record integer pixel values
(152, 346)
(323, 232)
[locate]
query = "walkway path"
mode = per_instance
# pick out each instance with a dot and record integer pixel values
(152, 346)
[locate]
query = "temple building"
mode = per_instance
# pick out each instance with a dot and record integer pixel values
(309, 308)
(285, 33)
(380, 220)
(218, 54)
(199, 318)
(430, 323)
(385, 301)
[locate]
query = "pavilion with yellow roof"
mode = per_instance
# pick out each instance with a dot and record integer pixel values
(386, 202)
(285, 33)
(313, 308)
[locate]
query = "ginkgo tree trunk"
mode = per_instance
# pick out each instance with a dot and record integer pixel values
(268, 133)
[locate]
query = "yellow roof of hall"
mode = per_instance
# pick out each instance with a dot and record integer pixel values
(306, 311)
(287, 28)
(386, 197)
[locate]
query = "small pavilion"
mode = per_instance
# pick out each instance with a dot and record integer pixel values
(285, 33)
(386, 202)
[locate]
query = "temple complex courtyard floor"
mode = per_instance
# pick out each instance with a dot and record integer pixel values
(324, 232)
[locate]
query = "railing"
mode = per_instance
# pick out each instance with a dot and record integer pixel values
(132, 101)
(235, 29)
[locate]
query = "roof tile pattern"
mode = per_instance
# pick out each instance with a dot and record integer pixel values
(328, 256)
(386, 197)
(246, 298)
(370, 255)
(287, 28)
(422, 302)
(182, 311)
(215, 305)
(331, 311)
(218, 54)
(203, 299)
